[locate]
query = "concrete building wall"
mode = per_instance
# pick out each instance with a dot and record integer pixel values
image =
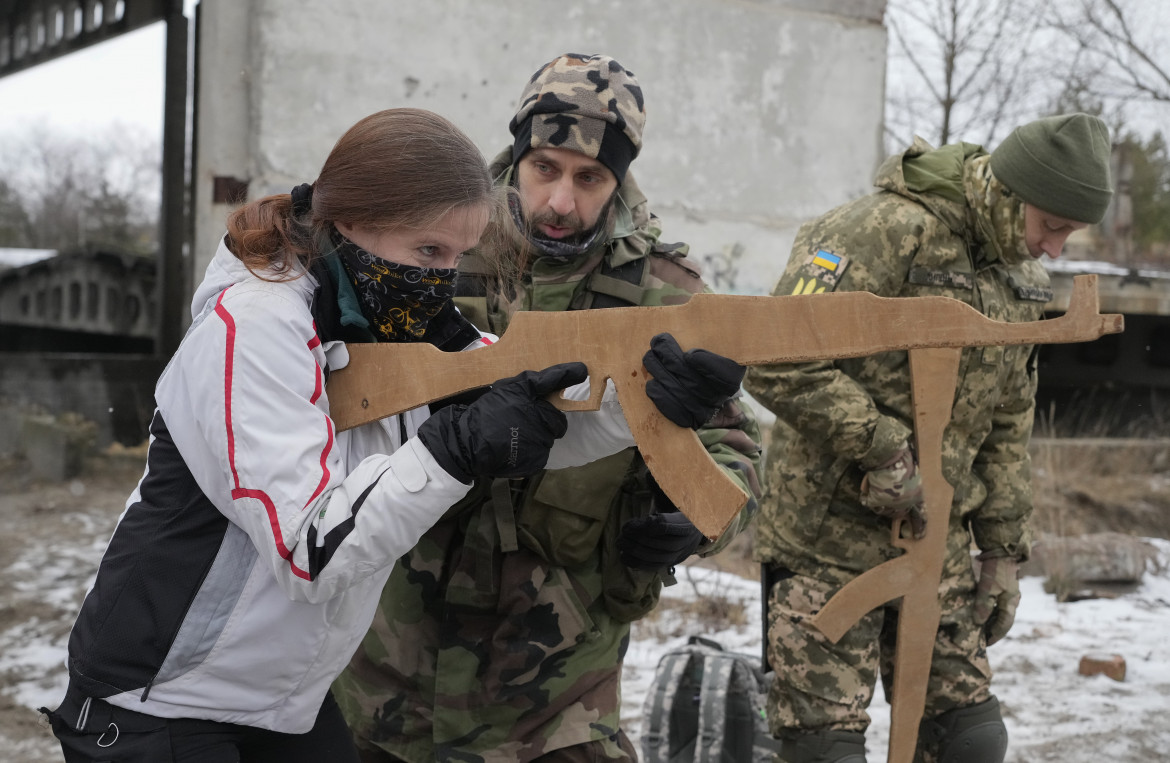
(115, 392)
(760, 114)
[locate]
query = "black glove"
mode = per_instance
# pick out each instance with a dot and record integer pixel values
(658, 541)
(689, 388)
(505, 433)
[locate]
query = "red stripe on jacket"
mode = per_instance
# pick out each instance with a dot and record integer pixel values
(238, 492)
(319, 387)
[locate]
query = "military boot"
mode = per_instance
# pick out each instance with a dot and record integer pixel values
(825, 746)
(972, 734)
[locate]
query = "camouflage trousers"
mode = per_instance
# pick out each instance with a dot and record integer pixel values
(820, 684)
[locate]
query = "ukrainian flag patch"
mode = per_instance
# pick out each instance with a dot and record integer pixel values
(821, 271)
(826, 260)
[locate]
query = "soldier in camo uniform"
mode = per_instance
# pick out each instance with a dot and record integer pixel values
(952, 222)
(500, 636)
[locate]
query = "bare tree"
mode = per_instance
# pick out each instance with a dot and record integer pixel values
(959, 69)
(69, 191)
(1121, 51)
(14, 222)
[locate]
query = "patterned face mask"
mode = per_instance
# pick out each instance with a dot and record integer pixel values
(398, 300)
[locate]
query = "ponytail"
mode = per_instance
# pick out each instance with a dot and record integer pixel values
(265, 236)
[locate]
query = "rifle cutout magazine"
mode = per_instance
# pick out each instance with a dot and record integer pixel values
(384, 379)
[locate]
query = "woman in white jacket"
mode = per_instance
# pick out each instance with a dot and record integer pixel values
(249, 559)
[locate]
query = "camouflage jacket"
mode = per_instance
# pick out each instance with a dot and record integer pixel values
(500, 636)
(835, 419)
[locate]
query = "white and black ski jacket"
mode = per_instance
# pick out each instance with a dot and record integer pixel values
(249, 560)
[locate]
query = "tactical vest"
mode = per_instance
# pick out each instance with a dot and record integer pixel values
(565, 515)
(606, 286)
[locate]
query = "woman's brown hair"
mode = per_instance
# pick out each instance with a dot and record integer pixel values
(399, 168)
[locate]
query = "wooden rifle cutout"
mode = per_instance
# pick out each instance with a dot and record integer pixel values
(383, 379)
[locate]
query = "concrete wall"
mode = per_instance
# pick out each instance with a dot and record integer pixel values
(760, 114)
(114, 392)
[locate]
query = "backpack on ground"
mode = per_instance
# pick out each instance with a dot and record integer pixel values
(706, 705)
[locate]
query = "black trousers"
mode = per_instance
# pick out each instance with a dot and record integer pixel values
(94, 731)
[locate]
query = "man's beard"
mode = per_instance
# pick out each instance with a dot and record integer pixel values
(580, 241)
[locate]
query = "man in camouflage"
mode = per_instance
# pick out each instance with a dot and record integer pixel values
(500, 636)
(952, 222)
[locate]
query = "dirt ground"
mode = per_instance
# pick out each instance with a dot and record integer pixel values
(54, 534)
(52, 540)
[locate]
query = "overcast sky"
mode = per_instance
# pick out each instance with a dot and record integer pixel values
(120, 80)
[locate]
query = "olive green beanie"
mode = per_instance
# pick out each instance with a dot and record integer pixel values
(1059, 164)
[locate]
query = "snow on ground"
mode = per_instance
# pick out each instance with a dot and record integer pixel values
(35, 649)
(1052, 712)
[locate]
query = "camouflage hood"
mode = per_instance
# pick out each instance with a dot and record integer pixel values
(956, 184)
(933, 177)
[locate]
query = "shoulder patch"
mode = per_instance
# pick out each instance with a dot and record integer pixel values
(943, 278)
(820, 272)
(1030, 283)
(1034, 293)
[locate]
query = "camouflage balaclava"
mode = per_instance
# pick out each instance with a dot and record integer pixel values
(589, 104)
(998, 213)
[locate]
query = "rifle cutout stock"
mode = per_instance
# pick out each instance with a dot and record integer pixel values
(384, 379)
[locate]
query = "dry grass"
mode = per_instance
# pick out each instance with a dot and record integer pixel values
(1081, 485)
(1101, 485)
(702, 611)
